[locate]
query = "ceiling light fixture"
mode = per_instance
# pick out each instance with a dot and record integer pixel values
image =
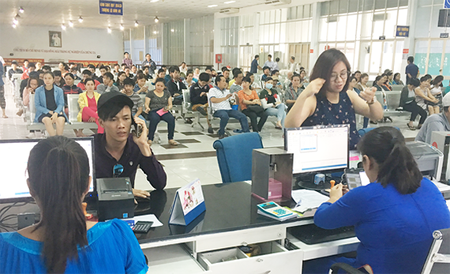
(109, 30)
(15, 21)
(136, 23)
(63, 27)
(172, 30)
(21, 10)
(154, 1)
(229, 2)
(212, 6)
(71, 24)
(80, 19)
(14, 25)
(156, 19)
(155, 32)
(121, 27)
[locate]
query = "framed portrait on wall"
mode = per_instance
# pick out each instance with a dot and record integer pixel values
(55, 39)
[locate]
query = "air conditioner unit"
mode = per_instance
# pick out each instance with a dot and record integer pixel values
(277, 2)
(331, 19)
(380, 17)
(229, 11)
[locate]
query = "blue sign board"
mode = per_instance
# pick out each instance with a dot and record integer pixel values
(402, 31)
(111, 7)
(446, 4)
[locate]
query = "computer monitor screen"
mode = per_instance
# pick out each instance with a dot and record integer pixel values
(318, 148)
(13, 164)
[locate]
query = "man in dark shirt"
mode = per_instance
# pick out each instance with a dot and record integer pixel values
(13, 70)
(412, 71)
(119, 153)
(150, 63)
(255, 66)
(199, 97)
(175, 85)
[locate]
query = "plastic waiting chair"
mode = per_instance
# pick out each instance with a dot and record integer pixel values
(234, 155)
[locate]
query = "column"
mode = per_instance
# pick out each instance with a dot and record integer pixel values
(187, 44)
(314, 46)
(409, 42)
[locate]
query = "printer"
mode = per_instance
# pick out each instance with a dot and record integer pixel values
(429, 159)
(441, 141)
(115, 198)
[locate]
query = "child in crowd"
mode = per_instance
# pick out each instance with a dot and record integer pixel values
(49, 102)
(136, 111)
(158, 104)
(88, 106)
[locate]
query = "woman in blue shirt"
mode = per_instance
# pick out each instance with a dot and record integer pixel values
(395, 215)
(63, 241)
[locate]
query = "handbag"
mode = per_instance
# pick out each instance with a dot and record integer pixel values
(256, 109)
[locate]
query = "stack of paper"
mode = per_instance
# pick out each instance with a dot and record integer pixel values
(307, 199)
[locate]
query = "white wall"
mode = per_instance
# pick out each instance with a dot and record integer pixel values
(77, 43)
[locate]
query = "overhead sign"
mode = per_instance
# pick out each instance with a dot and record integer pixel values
(382, 37)
(111, 7)
(444, 35)
(405, 51)
(402, 31)
(218, 58)
(446, 4)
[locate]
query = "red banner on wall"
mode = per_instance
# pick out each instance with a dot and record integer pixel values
(85, 63)
(20, 61)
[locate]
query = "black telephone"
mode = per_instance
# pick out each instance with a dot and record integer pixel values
(136, 129)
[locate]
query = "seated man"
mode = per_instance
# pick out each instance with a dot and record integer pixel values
(236, 86)
(199, 96)
(108, 84)
(86, 75)
(13, 70)
(266, 71)
(175, 85)
(146, 70)
(220, 104)
(435, 122)
(119, 153)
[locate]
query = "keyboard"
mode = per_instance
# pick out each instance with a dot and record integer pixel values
(312, 234)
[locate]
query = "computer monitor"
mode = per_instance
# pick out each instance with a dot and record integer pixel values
(13, 164)
(318, 148)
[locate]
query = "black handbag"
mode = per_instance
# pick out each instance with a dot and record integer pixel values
(256, 108)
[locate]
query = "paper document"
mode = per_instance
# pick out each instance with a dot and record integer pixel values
(307, 199)
(147, 218)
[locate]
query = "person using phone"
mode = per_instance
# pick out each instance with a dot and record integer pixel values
(158, 104)
(394, 216)
(118, 148)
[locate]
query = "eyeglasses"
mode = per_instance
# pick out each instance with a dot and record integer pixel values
(344, 75)
(117, 170)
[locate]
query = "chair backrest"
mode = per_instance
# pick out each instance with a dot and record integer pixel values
(73, 107)
(438, 259)
(234, 155)
(32, 108)
(187, 100)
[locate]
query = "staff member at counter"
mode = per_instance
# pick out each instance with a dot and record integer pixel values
(333, 103)
(395, 215)
(119, 153)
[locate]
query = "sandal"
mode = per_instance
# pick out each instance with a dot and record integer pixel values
(411, 127)
(278, 127)
(173, 143)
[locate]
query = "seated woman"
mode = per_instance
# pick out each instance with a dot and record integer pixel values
(424, 98)
(271, 102)
(379, 83)
(362, 83)
(70, 88)
(327, 100)
(158, 104)
(88, 106)
(250, 105)
(436, 88)
(408, 103)
(64, 241)
(293, 91)
(49, 102)
(397, 80)
(394, 216)
(120, 80)
(303, 78)
(141, 84)
(386, 84)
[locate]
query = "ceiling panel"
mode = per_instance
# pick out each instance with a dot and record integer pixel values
(56, 12)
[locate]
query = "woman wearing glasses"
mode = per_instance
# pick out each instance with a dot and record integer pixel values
(64, 241)
(327, 100)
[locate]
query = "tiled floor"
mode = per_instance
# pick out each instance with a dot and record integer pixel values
(193, 158)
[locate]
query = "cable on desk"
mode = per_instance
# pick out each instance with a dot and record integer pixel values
(3, 219)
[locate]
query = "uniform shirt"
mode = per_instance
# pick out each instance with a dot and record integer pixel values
(435, 122)
(395, 230)
(131, 158)
(254, 66)
(218, 93)
(411, 69)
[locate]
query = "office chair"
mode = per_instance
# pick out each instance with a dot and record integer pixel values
(234, 155)
(437, 262)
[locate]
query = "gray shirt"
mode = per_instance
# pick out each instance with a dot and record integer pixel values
(102, 88)
(156, 102)
(435, 122)
(235, 88)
